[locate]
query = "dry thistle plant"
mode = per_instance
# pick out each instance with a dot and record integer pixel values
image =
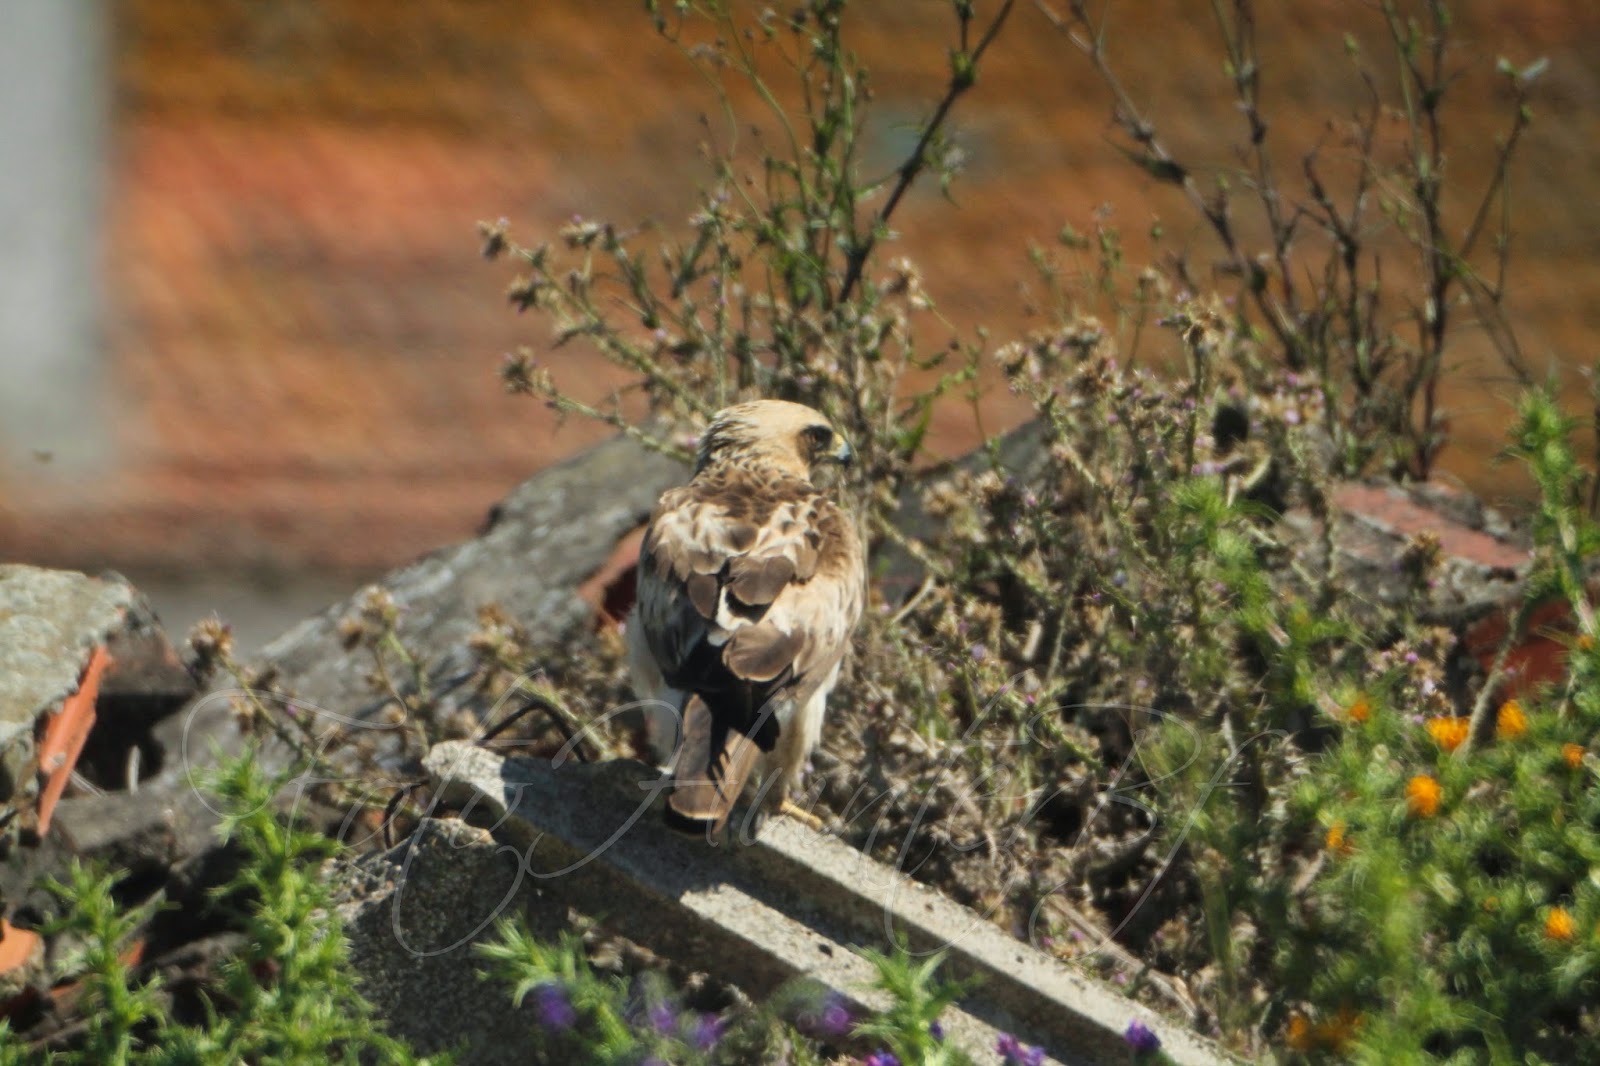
(779, 289)
(1361, 259)
(1108, 712)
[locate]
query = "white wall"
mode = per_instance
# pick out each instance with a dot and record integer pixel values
(54, 86)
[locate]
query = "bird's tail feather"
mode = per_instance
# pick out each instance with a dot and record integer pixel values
(708, 772)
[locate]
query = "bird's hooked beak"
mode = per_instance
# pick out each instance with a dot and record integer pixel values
(843, 454)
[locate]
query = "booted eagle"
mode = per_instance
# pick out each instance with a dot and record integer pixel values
(750, 585)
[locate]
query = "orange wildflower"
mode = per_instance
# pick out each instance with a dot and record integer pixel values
(1297, 1034)
(1422, 796)
(1334, 1035)
(1359, 710)
(1572, 755)
(1336, 839)
(1585, 641)
(1448, 732)
(1510, 723)
(1558, 924)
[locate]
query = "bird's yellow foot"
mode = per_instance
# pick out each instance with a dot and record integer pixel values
(800, 814)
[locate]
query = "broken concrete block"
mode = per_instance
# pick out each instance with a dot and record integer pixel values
(51, 622)
(411, 916)
(54, 626)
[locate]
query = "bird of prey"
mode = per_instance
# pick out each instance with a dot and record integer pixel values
(750, 585)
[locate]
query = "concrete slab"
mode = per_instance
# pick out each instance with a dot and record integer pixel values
(792, 904)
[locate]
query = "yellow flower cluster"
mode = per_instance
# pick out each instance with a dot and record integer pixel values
(1510, 723)
(1559, 925)
(1423, 794)
(1572, 755)
(1448, 731)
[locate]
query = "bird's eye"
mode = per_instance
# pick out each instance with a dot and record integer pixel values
(818, 439)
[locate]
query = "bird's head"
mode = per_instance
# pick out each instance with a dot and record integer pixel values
(788, 435)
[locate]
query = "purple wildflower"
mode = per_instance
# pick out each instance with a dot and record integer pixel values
(936, 1030)
(882, 1058)
(1140, 1038)
(706, 1032)
(554, 1009)
(830, 1021)
(663, 1019)
(1014, 1052)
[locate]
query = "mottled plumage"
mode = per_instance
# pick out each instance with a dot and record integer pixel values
(750, 585)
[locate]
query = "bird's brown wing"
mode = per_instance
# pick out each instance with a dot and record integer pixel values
(749, 589)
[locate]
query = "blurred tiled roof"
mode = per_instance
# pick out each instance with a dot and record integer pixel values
(304, 342)
(303, 339)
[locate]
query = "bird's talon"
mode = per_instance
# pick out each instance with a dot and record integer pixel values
(800, 814)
